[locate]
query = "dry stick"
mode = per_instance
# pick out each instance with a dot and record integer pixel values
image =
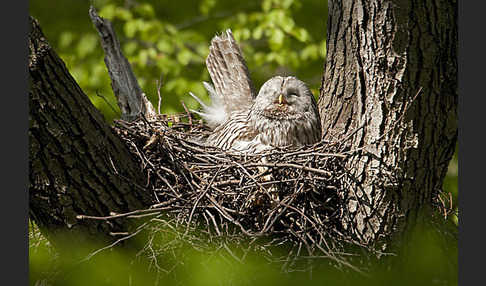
(312, 152)
(141, 215)
(159, 85)
(140, 228)
(323, 154)
(189, 116)
(169, 202)
(173, 160)
(267, 183)
(231, 253)
(214, 222)
(153, 256)
(119, 233)
(444, 208)
(167, 170)
(266, 226)
(144, 118)
(114, 216)
(165, 222)
(225, 208)
(287, 260)
(168, 184)
(198, 199)
(306, 218)
(335, 258)
(142, 156)
(299, 248)
(125, 124)
(302, 239)
(254, 180)
(106, 101)
(208, 228)
(144, 159)
(227, 215)
(290, 165)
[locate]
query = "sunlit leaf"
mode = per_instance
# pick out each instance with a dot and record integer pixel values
(184, 56)
(87, 45)
(108, 11)
(276, 39)
(145, 10)
(65, 39)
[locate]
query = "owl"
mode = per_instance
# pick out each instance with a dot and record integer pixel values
(283, 114)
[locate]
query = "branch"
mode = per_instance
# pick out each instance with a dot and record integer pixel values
(131, 99)
(77, 164)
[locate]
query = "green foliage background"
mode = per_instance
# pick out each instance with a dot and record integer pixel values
(170, 39)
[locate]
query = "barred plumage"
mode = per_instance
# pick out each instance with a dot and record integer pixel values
(284, 113)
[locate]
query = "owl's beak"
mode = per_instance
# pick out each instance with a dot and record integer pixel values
(281, 99)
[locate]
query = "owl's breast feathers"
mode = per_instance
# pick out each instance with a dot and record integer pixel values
(234, 133)
(253, 132)
(294, 130)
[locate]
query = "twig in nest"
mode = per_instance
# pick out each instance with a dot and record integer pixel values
(189, 116)
(140, 228)
(159, 85)
(198, 199)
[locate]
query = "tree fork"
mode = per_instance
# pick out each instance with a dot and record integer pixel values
(390, 82)
(390, 77)
(77, 164)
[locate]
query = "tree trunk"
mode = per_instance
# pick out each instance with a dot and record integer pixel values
(77, 165)
(390, 82)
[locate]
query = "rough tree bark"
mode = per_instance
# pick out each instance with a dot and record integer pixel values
(131, 100)
(380, 55)
(77, 164)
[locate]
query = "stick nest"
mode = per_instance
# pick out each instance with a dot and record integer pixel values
(286, 197)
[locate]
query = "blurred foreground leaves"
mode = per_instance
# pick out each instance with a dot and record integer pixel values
(428, 257)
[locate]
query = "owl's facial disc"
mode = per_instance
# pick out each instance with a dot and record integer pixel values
(282, 98)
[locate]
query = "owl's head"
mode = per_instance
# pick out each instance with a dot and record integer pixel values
(283, 98)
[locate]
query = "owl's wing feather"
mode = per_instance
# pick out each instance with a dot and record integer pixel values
(214, 114)
(227, 68)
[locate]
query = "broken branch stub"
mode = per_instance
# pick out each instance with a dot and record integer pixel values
(131, 99)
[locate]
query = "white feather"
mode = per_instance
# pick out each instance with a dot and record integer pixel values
(214, 114)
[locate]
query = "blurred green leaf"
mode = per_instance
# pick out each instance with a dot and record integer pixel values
(266, 5)
(86, 45)
(301, 35)
(65, 39)
(276, 39)
(206, 6)
(145, 10)
(108, 12)
(130, 48)
(184, 56)
(123, 14)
